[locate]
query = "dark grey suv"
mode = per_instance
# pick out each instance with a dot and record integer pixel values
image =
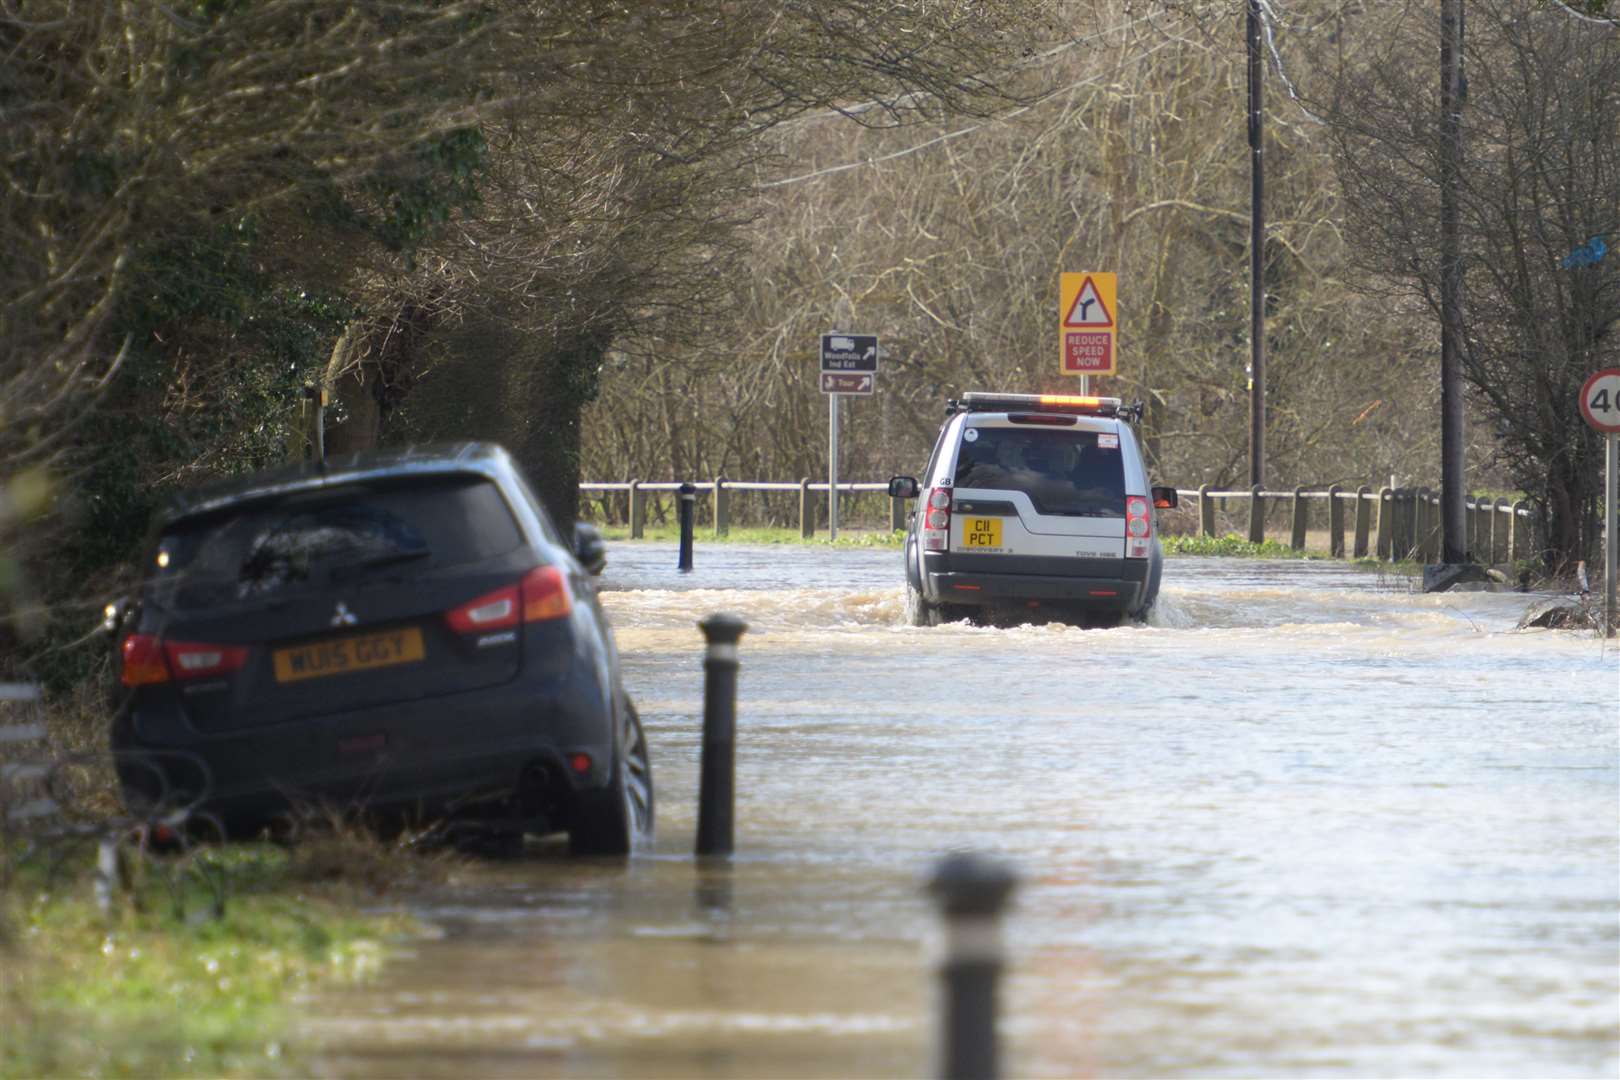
(406, 633)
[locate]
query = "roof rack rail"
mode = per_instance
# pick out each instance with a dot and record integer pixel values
(978, 401)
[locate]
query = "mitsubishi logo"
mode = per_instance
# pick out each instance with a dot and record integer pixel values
(343, 616)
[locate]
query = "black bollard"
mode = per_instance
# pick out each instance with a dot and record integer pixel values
(971, 891)
(717, 783)
(688, 506)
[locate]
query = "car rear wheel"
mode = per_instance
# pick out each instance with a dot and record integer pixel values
(619, 818)
(918, 611)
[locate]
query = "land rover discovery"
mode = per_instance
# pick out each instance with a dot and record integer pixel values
(1033, 505)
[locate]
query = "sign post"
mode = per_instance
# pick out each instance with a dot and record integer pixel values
(1087, 326)
(1600, 405)
(848, 366)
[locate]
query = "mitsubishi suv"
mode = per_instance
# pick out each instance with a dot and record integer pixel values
(1033, 505)
(406, 633)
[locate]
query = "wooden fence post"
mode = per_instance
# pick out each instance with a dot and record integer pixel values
(1471, 529)
(1429, 544)
(638, 510)
(1363, 520)
(722, 507)
(1519, 533)
(1257, 516)
(1401, 513)
(1206, 511)
(1386, 531)
(1296, 538)
(897, 514)
(1499, 532)
(1483, 508)
(1409, 519)
(1335, 522)
(1419, 522)
(807, 510)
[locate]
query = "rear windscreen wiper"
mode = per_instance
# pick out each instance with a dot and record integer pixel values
(375, 562)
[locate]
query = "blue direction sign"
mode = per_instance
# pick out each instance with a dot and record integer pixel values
(849, 352)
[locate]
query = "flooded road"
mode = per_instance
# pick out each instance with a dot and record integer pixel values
(1306, 823)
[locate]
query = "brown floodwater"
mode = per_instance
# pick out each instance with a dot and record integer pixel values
(1303, 823)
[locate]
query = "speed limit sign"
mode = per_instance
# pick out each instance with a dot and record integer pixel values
(1600, 400)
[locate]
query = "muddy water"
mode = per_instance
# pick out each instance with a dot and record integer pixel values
(1304, 823)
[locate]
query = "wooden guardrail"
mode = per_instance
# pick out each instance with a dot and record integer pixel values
(720, 490)
(50, 802)
(1394, 524)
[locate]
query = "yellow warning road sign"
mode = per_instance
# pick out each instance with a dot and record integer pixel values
(1088, 321)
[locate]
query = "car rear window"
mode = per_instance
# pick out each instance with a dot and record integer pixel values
(316, 539)
(1064, 471)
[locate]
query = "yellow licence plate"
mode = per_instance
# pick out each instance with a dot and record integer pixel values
(979, 532)
(339, 656)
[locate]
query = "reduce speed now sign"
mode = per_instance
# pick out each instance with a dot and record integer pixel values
(1600, 400)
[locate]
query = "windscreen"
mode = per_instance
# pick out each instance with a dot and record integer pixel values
(313, 540)
(1064, 471)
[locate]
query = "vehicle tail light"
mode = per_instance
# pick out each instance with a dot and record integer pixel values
(492, 611)
(542, 594)
(1138, 527)
(936, 513)
(143, 661)
(545, 594)
(194, 659)
(148, 660)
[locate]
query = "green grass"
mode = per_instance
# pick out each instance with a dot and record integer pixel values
(855, 538)
(1230, 545)
(1233, 546)
(165, 989)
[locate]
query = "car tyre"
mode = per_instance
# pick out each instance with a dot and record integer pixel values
(619, 818)
(918, 611)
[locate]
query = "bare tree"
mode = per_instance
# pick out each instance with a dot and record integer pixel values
(948, 242)
(1540, 179)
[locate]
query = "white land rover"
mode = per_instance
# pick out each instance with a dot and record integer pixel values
(1033, 504)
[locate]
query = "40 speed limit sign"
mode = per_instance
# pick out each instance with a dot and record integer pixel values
(1600, 400)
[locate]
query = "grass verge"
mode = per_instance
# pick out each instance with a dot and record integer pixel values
(1233, 546)
(168, 985)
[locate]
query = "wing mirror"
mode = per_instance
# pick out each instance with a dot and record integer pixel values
(589, 547)
(903, 487)
(1164, 498)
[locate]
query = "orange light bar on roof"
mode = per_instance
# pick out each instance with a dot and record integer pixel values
(1071, 403)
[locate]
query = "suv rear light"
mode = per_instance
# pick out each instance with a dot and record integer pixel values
(937, 519)
(492, 611)
(143, 661)
(148, 661)
(1138, 527)
(545, 594)
(542, 594)
(193, 659)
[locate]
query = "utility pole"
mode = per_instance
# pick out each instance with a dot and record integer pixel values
(1257, 250)
(1453, 90)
